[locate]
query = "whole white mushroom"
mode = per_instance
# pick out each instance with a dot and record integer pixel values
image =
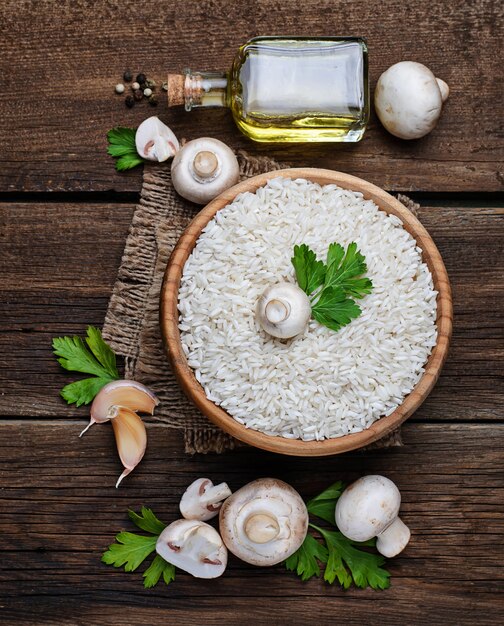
(409, 98)
(369, 508)
(204, 168)
(264, 522)
(283, 310)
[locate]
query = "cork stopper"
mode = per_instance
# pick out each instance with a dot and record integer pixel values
(176, 89)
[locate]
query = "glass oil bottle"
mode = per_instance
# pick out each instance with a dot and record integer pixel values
(287, 89)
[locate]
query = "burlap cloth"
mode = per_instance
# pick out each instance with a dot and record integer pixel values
(132, 319)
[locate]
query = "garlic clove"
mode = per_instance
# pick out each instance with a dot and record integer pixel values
(131, 439)
(154, 141)
(121, 393)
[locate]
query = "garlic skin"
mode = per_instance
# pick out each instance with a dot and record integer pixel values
(283, 310)
(119, 401)
(154, 141)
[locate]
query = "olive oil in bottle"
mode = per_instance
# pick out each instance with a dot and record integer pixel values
(287, 89)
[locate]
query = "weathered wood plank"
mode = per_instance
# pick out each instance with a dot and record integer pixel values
(53, 530)
(59, 262)
(59, 70)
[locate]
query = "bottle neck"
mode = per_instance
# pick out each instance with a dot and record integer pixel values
(198, 89)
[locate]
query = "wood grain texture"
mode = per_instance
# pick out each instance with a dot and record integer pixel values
(60, 67)
(58, 508)
(53, 531)
(169, 318)
(58, 263)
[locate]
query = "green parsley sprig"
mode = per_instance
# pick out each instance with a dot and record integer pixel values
(343, 559)
(122, 147)
(89, 356)
(131, 550)
(331, 286)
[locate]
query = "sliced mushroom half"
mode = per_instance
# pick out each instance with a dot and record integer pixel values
(194, 547)
(202, 499)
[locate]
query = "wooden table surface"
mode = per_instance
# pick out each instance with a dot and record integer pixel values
(64, 216)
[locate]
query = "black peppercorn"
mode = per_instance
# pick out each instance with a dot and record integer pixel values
(129, 101)
(141, 78)
(127, 76)
(153, 101)
(138, 95)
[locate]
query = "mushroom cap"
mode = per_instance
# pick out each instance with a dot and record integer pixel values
(154, 141)
(283, 310)
(367, 507)
(194, 547)
(203, 168)
(264, 522)
(202, 500)
(408, 99)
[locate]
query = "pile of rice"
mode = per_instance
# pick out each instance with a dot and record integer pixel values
(321, 384)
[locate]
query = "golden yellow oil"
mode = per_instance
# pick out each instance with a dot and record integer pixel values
(300, 90)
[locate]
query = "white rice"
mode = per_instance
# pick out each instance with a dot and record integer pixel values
(322, 384)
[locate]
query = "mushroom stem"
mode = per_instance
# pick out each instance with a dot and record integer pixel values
(277, 311)
(443, 88)
(393, 539)
(206, 164)
(261, 528)
(215, 495)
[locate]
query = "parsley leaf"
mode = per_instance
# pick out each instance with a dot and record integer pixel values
(122, 146)
(83, 391)
(347, 563)
(310, 273)
(159, 567)
(102, 351)
(324, 504)
(333, 309)
(123, 137)
(304, 561)
(92, 356)
(131, 550)
(128, 162)
(344, 270)
(329, 286)
(147, 521)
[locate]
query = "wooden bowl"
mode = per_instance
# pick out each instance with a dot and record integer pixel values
(297, 447)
